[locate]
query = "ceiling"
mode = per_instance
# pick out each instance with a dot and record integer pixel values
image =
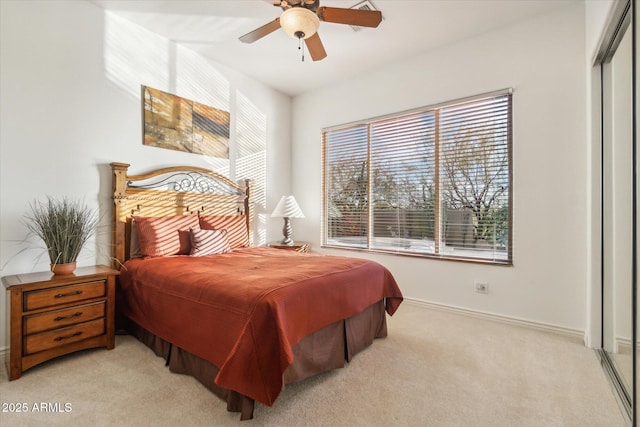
(409, 28)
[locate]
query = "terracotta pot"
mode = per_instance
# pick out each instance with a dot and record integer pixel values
(67, 268)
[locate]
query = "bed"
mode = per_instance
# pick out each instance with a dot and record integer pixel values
(244, 320)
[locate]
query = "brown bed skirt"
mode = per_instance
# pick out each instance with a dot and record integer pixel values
(321, 351)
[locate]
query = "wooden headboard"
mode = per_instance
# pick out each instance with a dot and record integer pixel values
(176, 190)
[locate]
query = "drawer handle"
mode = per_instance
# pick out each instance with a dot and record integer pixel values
(64, 337)
(68, 294)
(71, 316)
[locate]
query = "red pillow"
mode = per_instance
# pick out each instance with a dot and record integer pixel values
(167, 235)
(236, 226)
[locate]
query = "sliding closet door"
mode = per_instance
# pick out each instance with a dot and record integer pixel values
(619, 200)
(617, 211)
(636, 189)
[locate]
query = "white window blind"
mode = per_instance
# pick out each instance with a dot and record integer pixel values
(433, 182)
(346, 182)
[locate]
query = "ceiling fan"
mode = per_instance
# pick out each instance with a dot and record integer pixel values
(301, 19)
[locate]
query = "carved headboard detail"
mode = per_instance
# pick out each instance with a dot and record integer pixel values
(176, 190)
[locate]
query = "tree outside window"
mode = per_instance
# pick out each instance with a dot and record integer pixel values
(432, 182)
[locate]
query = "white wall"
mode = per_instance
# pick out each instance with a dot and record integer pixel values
(596, 14)
(70, 77)
(543, 59)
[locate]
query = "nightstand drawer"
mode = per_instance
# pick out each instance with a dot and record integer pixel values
(63, 294)
(58, 337)
(57, 319)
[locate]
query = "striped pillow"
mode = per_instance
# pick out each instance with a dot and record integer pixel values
(164, 236)
(236, 226)
(209, 242)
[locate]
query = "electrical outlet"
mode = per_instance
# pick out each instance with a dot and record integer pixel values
(482, 287)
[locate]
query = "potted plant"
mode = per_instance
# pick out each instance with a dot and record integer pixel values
(64, 226)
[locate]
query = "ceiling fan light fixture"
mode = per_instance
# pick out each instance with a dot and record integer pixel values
(299, 23)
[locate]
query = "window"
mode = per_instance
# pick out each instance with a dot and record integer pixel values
(433, 182)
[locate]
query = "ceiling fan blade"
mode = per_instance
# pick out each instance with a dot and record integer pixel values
(315, 47)
(259, 33)
(361, 18)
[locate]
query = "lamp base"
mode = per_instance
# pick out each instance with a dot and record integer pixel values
(287, 242)
(286, 232)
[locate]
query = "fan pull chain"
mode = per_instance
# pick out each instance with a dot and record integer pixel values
(301, 47)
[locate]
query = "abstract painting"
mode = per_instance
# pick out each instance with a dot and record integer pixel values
(181, 124)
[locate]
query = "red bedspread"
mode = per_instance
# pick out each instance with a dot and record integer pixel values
(243, 311)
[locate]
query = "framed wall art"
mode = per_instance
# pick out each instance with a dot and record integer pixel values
(181, 124)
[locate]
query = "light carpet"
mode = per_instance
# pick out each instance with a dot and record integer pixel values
(435, 368)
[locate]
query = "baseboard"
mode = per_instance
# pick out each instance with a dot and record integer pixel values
(560, 330)
(623, 345)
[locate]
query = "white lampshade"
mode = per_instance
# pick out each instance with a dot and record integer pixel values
(299, 23)
(287, 207)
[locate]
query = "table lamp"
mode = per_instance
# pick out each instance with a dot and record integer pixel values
(287, 208)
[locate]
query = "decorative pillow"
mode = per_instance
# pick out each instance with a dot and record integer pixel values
(236, 226)
(209, 242)
(167, 235)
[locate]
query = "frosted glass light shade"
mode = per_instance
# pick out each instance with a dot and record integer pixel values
(299, 23)
(287, 207)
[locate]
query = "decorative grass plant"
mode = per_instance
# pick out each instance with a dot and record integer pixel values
(64, 226)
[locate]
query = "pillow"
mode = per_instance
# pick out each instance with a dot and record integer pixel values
(134, 241)
(209, 242)
(167, 235)
(236, 226)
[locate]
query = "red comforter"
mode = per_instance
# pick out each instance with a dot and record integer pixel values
(243, 311)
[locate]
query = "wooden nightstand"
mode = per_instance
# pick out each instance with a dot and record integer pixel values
(297, 246)
(50, 315)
